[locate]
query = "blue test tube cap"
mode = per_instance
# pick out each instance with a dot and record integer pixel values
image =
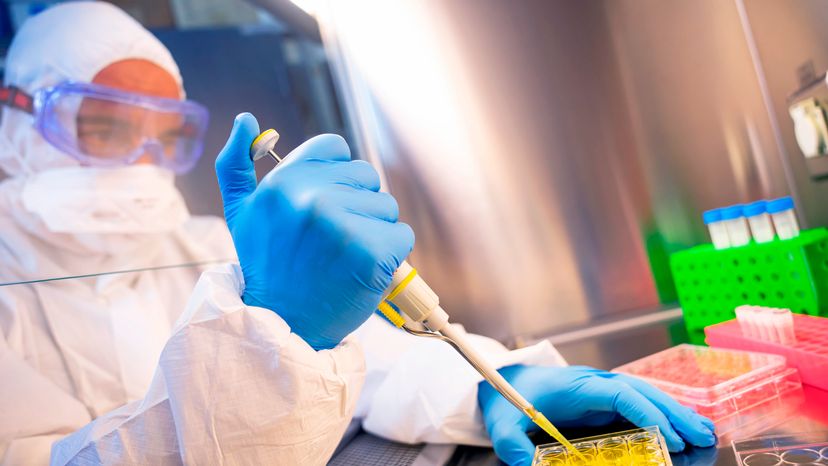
(755, 208)
(712, 216)
(780, 205)
(732, 212)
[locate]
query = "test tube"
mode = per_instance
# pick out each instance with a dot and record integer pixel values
(783, 320)
(790, 329)
(784, 217)
(761, 226)
(717, 228)
(764, 322)
(736, 224)
(744, 314)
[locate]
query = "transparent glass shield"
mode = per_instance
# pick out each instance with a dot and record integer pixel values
(93, 339)
(58, 242)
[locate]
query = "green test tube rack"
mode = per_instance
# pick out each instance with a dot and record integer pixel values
(790, 274)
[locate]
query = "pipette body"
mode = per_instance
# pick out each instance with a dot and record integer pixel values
(410, 293)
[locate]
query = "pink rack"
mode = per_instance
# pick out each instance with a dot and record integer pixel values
(809, 354)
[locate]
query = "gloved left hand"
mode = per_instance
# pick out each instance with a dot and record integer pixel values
(573, 396)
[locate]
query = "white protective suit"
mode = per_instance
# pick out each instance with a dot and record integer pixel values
(145, 368)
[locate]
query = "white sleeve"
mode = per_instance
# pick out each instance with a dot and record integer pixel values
(34, 412)
(233, 386)
(421, 390)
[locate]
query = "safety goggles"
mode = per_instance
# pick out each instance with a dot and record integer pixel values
(102, 126)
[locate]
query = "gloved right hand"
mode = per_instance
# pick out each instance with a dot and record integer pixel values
(316, 240)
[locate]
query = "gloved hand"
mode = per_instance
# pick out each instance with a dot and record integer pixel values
(318, 244)
(573, 396)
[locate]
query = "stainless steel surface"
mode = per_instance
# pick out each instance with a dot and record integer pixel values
(513, 164)
(624, 344)
(700, 122)
(598, 329)
(788, 35)
(544, 151)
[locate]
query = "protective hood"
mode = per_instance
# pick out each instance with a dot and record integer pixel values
(71, 41)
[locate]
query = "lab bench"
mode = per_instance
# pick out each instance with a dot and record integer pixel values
(605, 351)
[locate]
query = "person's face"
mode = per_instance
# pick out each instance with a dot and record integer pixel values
(105, 127)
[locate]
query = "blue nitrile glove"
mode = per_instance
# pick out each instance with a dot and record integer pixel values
(583, 396)
(317, 242)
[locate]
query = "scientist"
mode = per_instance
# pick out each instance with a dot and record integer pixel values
(264, 362)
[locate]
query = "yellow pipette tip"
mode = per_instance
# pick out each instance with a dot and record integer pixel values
(538, 418)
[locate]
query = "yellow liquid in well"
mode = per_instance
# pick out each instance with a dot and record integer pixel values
(547, 427)
(639, 448)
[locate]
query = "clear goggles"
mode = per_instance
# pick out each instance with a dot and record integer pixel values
(102, 126)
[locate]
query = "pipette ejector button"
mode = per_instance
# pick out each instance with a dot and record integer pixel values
(265, 144)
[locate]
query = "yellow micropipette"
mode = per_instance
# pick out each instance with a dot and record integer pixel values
(410, 293)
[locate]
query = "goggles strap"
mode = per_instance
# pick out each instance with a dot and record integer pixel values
(14, 97)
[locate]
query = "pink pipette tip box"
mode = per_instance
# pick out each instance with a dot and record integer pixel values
(809, 354)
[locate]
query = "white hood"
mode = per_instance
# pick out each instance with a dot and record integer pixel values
(72, 41)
